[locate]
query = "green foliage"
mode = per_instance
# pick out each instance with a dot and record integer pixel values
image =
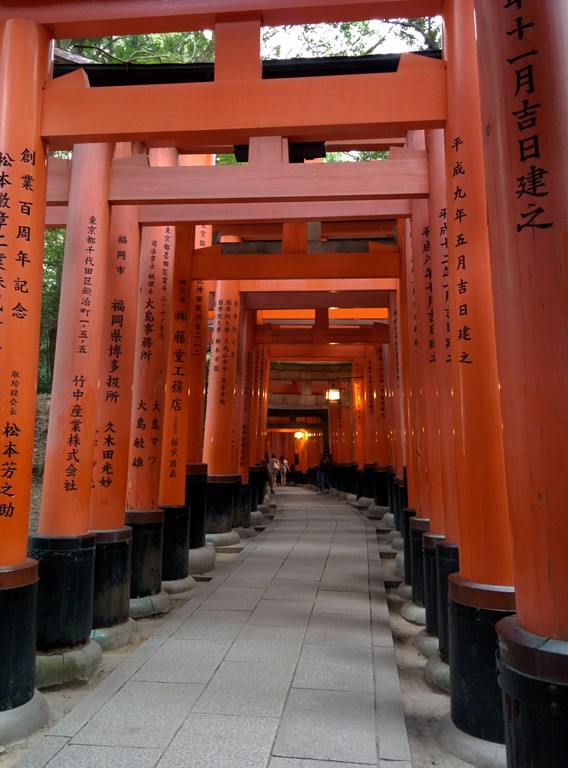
(52, 267)
(354, 157)
(165, 48)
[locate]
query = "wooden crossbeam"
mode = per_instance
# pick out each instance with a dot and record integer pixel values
(191, 115)
(366, 334)
(99, 18)
(381, 180)
(304, 266)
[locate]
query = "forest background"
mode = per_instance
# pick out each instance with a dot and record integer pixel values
(363, 38)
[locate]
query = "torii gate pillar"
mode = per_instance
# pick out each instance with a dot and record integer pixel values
(24, 65)
(523, 59)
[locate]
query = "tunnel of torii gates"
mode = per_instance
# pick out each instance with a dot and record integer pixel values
(446, 266)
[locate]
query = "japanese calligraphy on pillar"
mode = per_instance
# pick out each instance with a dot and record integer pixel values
(16, 236)
(530, 181)
(247, 390)
(370, 386)
(426, 285)
(76, 413)
(225, 330)
(177, 390)
(146, 432)
(382, 385)
(198, 311)
(460, 274)
(445, 277)
(113, 383)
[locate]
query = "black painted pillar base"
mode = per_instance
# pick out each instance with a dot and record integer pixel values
(447, 562)
(175, 559)
(241, 515)
(533, 676)
(369, 481)
(18, 609)
(406, 514)
(429, 541)
(237, 514)
(196, 498)
(147, 540)
(418, 526)
(220, 500)
(476, 706)
(381, 487)
(359, 483)
(255, 474)
(111, 600)
(65, 590)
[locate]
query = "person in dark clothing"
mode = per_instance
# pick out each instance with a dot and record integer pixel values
(324, 465)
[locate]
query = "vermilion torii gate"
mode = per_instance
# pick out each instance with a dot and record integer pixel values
(477, 321)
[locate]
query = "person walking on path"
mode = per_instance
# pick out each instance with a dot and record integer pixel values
(324, 465)
(284, 469)
(273, 471)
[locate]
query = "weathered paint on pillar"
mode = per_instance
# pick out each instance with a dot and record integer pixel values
(383, 447)
(245, 365)
(370, 390)
(263, 403)
(358, 405)
(174, 442)
(409, 342)
(485, 554)
(396, 388)
(66, 495)
(197, 369)
(156, 251)
(219, 444)
(256, 452)
(198, 335)
(523, 64)
(23, 70)
(428, 427)
(441, 364)
(110, 467)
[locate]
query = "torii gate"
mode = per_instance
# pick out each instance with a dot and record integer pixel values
(515, 266)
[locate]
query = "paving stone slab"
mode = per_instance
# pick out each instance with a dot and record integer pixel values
(310, 727)
(79, 756)
(221, 741)
(250, 688)
(335, 668)
(332, 629)
(184, 661)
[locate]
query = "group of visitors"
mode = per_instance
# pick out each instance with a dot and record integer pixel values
(276, 470)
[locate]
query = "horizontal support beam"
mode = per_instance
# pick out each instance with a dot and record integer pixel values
(306, 266)
(366, 334)
(99, 18)
(310, 352)
(190, 115)
(389, 179)
(235, 213)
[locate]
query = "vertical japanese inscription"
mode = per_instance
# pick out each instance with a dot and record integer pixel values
(530, 182)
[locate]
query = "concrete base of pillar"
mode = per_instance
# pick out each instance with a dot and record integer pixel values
(19, 723)
(437, 673)
(375, 512)
(141, 607)
(342, 495)
(415, 614)
(111, 638)
(482, 754)
(363, 502)
(256, 518)
(68, 666)
(179, 586)
(404, 591)
(245, 533)
(388, 520)
(228, 539)
(427, 644)
(201, 559)
(397, 543)
(351, 498)
(399, 567)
